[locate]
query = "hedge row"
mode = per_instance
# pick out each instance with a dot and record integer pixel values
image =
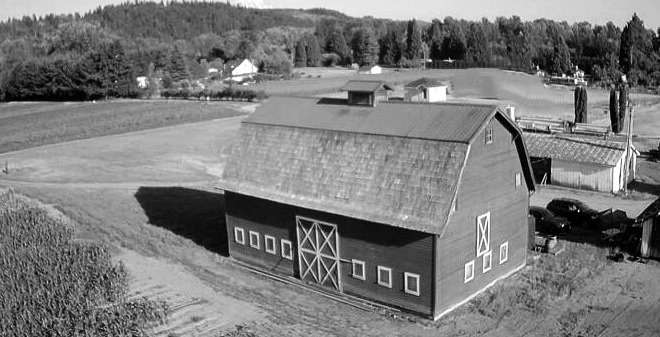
(225, 94)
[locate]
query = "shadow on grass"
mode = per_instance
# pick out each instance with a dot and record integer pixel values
(194, 214)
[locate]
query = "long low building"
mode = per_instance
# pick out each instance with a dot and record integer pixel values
(579, 161)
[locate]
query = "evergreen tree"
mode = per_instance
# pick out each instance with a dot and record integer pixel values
(365, 47)
(176, 67)
(414, 41)
(561, 58)
(312, 50)
(614, 111)
(300, 59)
(390, 48)
(337, 44)
(478, 50)
(635, 49)
(454, 45)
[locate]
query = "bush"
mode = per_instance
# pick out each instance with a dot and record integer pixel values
(53, 286)
(228, 93)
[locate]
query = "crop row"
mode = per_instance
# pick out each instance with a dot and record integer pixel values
(53, 285)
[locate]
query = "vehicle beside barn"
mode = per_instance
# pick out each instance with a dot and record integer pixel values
(417, 206)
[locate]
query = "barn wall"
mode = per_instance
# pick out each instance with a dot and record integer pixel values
(488, 184)
(399, 249)
(650, 243)
(582, 175)
(264, 217)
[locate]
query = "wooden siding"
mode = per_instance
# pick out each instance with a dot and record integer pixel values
(266, 218)
(583, 175)
(650, 245)
(488, 185)
(376, 244)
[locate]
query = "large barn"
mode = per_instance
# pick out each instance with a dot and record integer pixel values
(417, 206)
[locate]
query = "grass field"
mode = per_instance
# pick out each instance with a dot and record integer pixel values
(24, 125)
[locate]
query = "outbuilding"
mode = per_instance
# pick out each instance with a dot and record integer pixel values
(426, 90)
(370, 69)
(580, 161)
(240, 70)
(417, 206)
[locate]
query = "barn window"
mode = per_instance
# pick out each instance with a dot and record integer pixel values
(411, 283)
(269, 243)
(254, 240)
(239, 235)
(483, 234)
(487, 261)
(469, 272)
(385, 276)
(518, 179)
(504, 252)
(287, 252)
(358, 269)
(489, 134)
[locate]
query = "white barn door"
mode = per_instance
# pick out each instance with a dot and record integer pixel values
(318, 252)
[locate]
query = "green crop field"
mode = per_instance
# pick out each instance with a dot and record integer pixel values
(54, 286)
(24, 125)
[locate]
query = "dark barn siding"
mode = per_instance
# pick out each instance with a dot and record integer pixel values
(488, 184)
(376, 244)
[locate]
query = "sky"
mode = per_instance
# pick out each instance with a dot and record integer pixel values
(594, 11)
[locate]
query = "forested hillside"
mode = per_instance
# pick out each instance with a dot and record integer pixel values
(99, 54)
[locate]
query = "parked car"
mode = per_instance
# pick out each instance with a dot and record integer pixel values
(577, 212)
(548, 223)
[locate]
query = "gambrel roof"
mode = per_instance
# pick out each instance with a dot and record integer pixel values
(398, 163)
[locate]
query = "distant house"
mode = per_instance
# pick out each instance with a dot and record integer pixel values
(426, 90)
(212, 71)
(239, 70)
(142, 82)
(579, 161)
(417, 206)
(375, 69)
(650, 221)
(363, 92)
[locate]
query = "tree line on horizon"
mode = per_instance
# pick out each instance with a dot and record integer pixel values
(99, 54)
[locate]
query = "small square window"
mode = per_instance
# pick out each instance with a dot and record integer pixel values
(487, 261)
(411, 283)
(518, 179)
(239, 235)
(385, 276)
(287, 252)
(358, 269)
(254, 240)
(489, 134)
(269, 243)
(504, 252)
(469, 272)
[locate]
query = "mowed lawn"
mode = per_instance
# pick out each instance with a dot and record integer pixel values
(28, 124)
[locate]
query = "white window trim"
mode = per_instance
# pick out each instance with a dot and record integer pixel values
(252, 244)
(518, 179)
(407, 275)
(489, 132)
(354, 263)
(469, 266)
(240, 230)
(504, 248)
(487, 257)
(389, 272)
(273, 249)
(486, 246)
(283, 243)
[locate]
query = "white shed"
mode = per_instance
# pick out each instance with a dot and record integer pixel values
(375, 69)
(426, 90)
(581, 162)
